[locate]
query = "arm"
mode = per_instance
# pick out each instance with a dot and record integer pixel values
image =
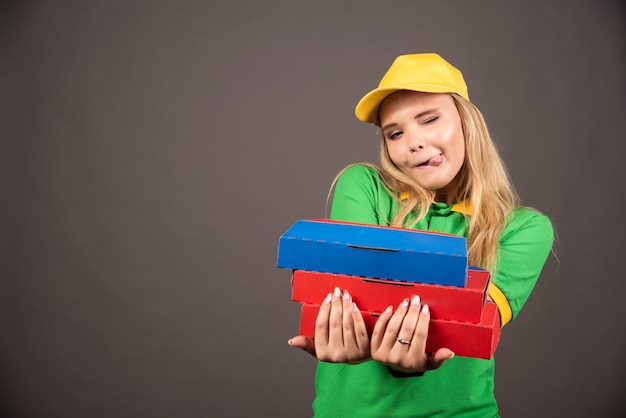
(524, 247)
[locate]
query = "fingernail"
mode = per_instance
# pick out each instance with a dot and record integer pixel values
(328, 298)
(354, 307)
(415, 301)
(389, 309)
(346, 296)
(337, 292)
(405, 303)
(425, 309)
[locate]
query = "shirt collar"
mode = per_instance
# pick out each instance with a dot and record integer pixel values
(464, 207)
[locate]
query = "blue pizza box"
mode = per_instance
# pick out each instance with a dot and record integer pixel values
(373, 251)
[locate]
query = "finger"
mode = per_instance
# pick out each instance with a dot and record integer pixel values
(409, 323)
(335, 320)
(380, 328)
(321, 323)
(349, 338)
(303, 343)
(438, 358)
(393, 327)
(418, 342)
(360, 330)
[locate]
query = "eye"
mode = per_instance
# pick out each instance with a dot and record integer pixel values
(394, 135)
(431, 120)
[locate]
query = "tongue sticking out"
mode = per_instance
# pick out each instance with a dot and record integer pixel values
(435, 161)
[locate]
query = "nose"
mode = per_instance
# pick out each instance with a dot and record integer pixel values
(415, 141)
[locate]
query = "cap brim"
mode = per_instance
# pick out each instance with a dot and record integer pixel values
(367, 107)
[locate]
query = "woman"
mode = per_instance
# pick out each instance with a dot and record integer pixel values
(440, 171)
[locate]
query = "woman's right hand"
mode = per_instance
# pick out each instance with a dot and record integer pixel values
(340, 332)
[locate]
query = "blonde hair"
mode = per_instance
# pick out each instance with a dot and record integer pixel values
(483, 182)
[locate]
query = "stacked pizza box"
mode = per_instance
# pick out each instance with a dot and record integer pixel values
(381, 266)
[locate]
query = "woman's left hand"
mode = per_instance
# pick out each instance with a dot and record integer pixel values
(399, 339)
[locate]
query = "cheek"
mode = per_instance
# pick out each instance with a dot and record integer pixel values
(462, 149)
(459, 153)
(456, 145)
(394, 152)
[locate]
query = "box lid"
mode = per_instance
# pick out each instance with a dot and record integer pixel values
(374, 251)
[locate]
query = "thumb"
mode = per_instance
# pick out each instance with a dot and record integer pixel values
(439, 357)
(304, 343)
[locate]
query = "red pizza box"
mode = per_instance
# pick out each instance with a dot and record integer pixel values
(463, 304)
(463, 338)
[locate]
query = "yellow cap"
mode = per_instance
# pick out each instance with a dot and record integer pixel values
(417, 72)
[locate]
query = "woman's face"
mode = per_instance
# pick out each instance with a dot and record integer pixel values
(425, 139)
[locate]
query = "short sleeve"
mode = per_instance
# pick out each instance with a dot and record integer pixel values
(525, 245)
(360, 196)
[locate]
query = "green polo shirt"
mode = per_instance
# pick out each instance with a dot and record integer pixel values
(462, 387)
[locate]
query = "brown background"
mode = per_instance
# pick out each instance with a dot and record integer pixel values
(153, 153)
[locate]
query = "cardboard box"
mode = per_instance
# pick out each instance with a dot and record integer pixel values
(464, 304)
(464, 339)
(374, 251)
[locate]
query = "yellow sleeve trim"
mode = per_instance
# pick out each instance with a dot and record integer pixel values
(506, 314)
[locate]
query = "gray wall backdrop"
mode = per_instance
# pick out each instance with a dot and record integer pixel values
(154, 152)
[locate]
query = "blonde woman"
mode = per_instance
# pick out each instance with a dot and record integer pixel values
(439, 171)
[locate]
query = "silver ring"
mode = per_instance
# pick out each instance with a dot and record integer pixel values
(401, 341)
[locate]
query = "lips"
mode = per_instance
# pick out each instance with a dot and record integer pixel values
(435, 161)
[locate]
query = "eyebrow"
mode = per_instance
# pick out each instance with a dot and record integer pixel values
(419, 115)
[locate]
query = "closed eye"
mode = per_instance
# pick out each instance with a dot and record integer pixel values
(431, 120)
